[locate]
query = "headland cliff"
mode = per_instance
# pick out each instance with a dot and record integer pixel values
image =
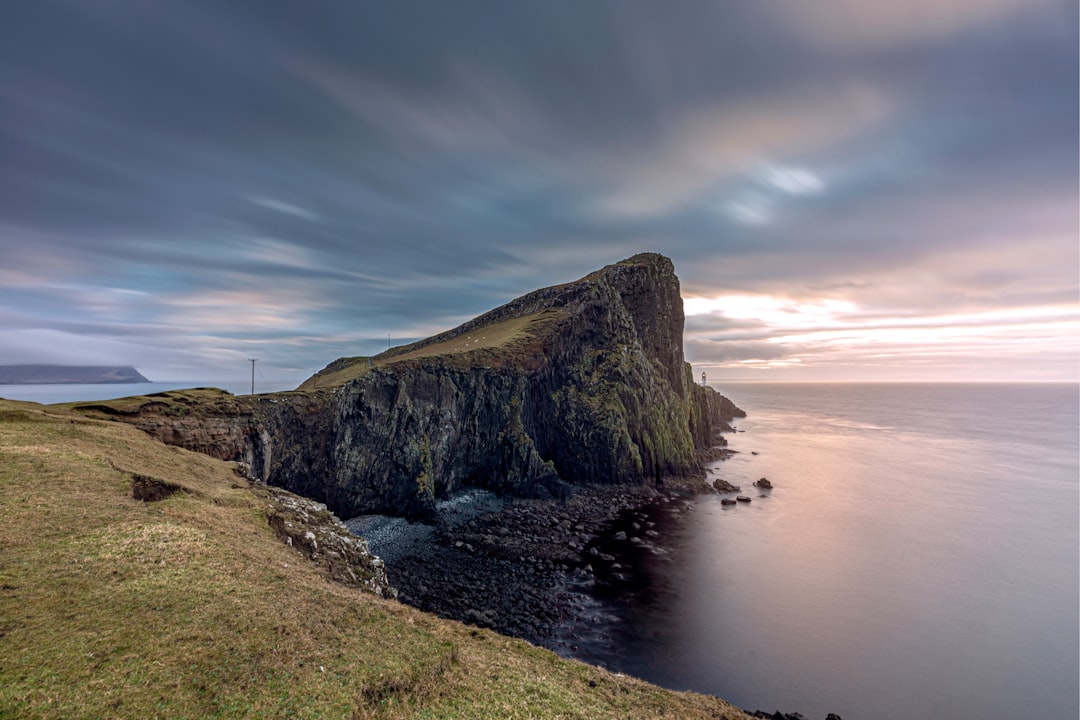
(583, 383)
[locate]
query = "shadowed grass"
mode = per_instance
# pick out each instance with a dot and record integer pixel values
(190, 608)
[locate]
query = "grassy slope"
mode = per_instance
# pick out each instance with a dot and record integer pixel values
(170, 402)
(481, 345)
(189, 607)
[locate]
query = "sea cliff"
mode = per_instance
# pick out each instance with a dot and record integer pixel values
(173, 588)
(583, 383)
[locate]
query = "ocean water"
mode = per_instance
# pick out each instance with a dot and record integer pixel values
(47, 394)
(917, 557)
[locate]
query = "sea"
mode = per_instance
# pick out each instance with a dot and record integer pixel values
(917, 557)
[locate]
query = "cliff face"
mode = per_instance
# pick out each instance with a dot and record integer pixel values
(576, 384)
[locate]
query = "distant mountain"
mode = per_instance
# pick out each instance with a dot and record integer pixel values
(68, 375)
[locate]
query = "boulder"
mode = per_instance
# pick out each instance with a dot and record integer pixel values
(724, 486)
(764, 484)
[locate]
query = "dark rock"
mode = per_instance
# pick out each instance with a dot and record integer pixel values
(727, 501)
(150, 489)
(477, 618)
(725, 487)
(764, 484)
(743, 499)
(587, 386)
(317, 534)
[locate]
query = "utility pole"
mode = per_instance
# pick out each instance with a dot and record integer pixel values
(252, 361)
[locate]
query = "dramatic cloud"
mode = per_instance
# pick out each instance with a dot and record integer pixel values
(848, 189)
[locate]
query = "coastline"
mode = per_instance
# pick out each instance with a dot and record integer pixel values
(533, 569)
(556, 573)
(546, 570)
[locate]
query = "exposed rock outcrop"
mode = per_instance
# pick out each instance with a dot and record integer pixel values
(317, 534)
(581, 383)
(150, 489)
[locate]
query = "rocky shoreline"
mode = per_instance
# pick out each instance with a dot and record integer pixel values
(528, 568)
(550, 571)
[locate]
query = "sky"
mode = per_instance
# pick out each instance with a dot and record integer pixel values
(849, 190)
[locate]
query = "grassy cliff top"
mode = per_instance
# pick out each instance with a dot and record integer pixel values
(190, 607)
(169, 402)
(510, 335)
(496, 342)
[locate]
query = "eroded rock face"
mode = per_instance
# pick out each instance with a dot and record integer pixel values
(594, 390)
(317, 534)
(150, 489)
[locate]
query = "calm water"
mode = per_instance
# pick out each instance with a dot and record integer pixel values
(917, 558)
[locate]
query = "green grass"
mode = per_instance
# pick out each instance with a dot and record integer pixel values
(172, 402)
(190, 608)
(507, 341)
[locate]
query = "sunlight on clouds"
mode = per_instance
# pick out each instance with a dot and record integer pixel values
(240, 310)
(792, 180)
(857, 25)
(826, 335)
(718, 143)
(771, 310)
(749, 210)
(771, 182)
(1007, 329)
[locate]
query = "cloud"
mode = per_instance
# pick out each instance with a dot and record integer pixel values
(712, 144)
(768, 191)
(791, 180)
(853, 26)
(219, 180)
(284, 207)
(750, 209)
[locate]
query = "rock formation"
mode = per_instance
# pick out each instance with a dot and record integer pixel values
(581, 383)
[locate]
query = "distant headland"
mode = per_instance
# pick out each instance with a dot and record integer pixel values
(68, 374)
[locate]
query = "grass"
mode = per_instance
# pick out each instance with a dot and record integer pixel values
(490, 344)
(190, 608)
(172, 402)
